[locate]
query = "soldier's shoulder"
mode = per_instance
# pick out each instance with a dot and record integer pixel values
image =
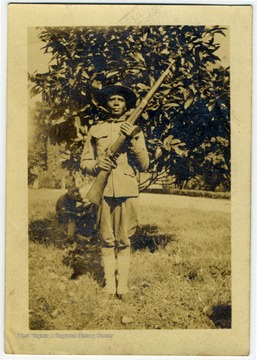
(98, 127)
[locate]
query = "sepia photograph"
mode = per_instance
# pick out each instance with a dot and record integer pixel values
(128, 185)
(129, 178)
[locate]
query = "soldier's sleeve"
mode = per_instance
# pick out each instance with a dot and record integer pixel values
(88, 159)
(139, 151)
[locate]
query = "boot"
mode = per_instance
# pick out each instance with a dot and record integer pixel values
(123, 258)
(108, 260)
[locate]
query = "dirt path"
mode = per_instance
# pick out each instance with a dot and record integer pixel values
(188, 202)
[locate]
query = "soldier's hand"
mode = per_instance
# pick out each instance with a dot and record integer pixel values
(106, 164)
(127, 129)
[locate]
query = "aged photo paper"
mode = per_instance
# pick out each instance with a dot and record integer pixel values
(153, 104)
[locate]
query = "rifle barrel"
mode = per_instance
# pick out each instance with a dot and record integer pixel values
(95, 193)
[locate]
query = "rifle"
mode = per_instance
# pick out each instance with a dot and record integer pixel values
(95, 193)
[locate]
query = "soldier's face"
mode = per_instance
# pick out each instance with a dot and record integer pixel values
(117, 105)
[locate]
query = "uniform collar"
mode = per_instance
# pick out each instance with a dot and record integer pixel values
(114, 120)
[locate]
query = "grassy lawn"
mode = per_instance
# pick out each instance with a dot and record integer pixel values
(180, 276)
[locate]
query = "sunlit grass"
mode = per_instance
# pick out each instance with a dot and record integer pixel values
(182, 268)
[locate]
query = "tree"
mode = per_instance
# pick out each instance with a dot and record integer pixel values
(43, 158)
(37, 142)
(187, 123)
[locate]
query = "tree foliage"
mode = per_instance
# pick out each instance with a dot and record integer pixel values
(187, 123)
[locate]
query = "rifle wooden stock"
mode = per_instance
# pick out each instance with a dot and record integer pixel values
(95, 193)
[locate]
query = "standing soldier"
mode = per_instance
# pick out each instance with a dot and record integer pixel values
(118, 212)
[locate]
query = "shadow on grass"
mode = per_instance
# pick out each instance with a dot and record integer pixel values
(149, 237)
(82, 253)
(221, 316)
(46, 232)
(84, 257)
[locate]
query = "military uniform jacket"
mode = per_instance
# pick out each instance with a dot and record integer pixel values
(122, 181)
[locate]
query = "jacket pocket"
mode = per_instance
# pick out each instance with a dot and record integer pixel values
(102, 143)
(130, 173)
(100, 136)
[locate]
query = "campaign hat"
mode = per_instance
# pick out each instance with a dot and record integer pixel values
(103, 95)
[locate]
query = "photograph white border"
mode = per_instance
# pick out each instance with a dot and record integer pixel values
(3, 159)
